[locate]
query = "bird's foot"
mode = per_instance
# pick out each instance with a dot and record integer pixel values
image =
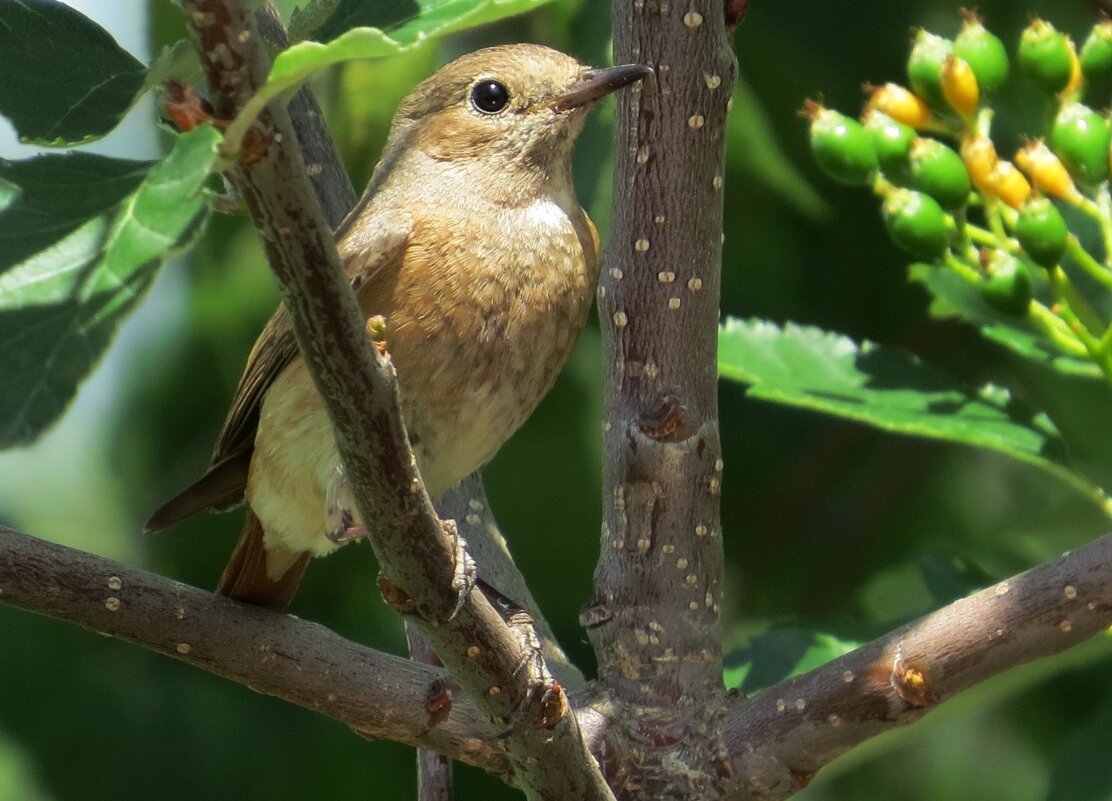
(463, 581)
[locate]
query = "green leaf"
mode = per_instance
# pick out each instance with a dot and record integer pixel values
(326, 19)
(65, 80)
(890, 389)
(437, 18)
(780, 654)
(61, 305)
(408, 21)
(952, 297)
(948, 578)
(50, 198)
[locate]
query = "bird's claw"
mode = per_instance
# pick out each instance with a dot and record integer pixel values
(465, 575)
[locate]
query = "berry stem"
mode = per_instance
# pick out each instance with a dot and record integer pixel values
(1055, 330)
(982, 236)
(1087, 262)
(1079, 312)
(963, 270)
(1104, 217)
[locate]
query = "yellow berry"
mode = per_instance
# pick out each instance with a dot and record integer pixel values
(959, 86)
(979, 155)
(1077, 76)
(1008, 183)
(1046, 171)
(899, 103)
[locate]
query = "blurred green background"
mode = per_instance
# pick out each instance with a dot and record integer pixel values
(828, 525)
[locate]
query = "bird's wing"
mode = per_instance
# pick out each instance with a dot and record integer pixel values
(364, 253)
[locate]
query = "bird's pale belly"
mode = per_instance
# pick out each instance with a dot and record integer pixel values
(458, 410)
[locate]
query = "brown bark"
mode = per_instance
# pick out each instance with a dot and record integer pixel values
(376, 694)
(782, 737)
(655, 619)
(657, 716)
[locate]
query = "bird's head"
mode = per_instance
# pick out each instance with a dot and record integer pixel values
(516, 105)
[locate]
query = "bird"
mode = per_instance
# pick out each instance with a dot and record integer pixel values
(470, 245)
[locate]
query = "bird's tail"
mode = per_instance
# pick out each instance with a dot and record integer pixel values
(260, 574)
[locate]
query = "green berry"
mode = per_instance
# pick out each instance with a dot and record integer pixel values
(891, 140)
(1080, 137)
(984, 52)
(939, 172)
(841, 146)
(916, 223)
(1007, 285)
(924, 67)
(1042, 232)
(1045, 56)
(1096, 53)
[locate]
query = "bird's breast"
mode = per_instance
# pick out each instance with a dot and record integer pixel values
(490, 323)
(482, 312)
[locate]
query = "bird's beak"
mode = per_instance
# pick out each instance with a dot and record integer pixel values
(596, 84)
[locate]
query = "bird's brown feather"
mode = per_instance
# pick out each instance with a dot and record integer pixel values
(222, 486)
(261, 575)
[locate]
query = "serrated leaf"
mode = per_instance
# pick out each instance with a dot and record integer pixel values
(65, 80)
(61, 305)
(952, 297)
(780, 654)
(890, 389)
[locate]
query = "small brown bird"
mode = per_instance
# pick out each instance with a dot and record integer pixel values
(470, 242)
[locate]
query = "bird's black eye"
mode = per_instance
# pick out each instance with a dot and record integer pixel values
(489, 97)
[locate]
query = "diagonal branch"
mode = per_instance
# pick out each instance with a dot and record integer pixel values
(425, 570)
(779, 739)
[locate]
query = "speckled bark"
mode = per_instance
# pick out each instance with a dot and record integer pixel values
(654, 621)
(780, 739)
(657, 717)
(378, 695)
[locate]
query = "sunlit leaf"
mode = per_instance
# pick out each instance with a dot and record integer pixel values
(61, 304)
(435, 18)
(890, 389)
(408, 21)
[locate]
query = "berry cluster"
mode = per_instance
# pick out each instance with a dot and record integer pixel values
(950, 199)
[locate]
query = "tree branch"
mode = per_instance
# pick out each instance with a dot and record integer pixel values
(655, 619)
(425, 571)
(779, 739)
(331, 183)
(378, 695)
